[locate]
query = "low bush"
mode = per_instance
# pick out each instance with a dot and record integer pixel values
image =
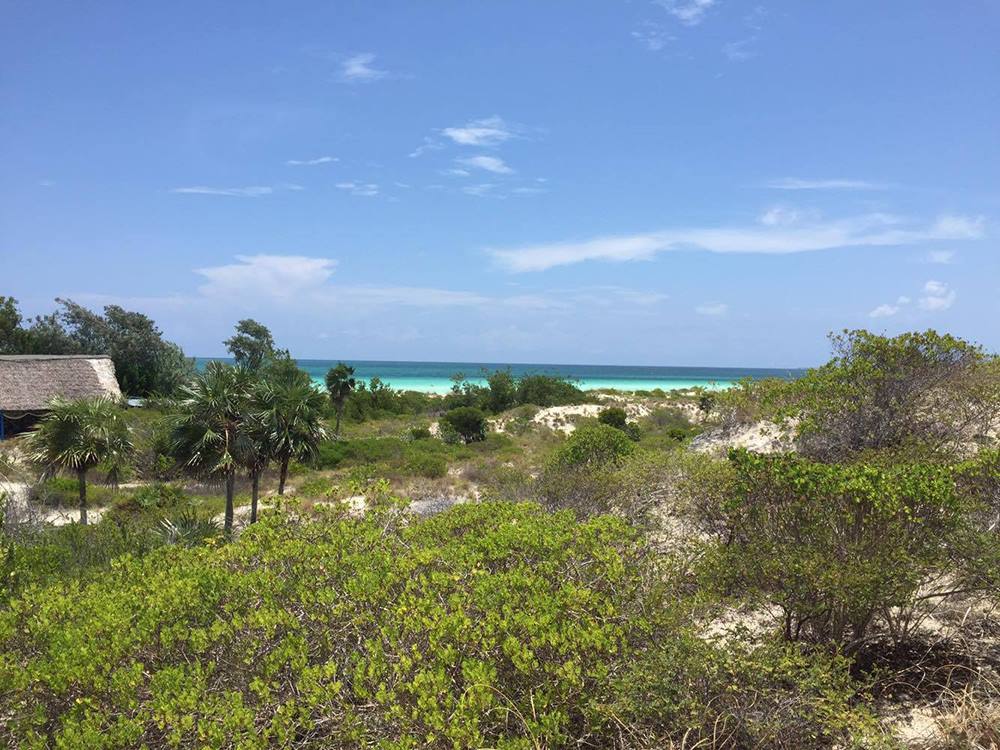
(613, 416)
(467, 422)
(64, 491)
(546, 390)
(154, 497)
(492, 625)
(420, 433)
(51, 554)
(426, 465)
(838, 547)
(594, 445)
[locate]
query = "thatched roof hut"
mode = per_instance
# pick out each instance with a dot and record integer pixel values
(29, 382)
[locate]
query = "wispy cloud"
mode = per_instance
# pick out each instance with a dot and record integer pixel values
(311, 162)
(479, 190)
(873, 230)
(712, 308)
(367, 189)
(688, 12)
(253, 191)
(795, 183)
(937, 296)
(888, 310)
(303, 281)
(489, 163)
(489, 131)
(358, 69)
(652, 36)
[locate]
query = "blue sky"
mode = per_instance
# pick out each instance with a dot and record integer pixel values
(679, 182)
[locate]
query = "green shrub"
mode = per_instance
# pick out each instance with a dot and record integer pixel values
(613, 416)
(426, 465)
(469, 423)
(420, 433)
(838, 547)
(156, 496)
(546, 390)
(493, 625)
(315, 487)
(594, 445)
(62, 491)
(73, 552)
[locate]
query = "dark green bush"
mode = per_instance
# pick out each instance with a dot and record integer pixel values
(469, 423)
(613, 416)
(546, 390)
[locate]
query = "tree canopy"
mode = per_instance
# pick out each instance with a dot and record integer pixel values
(144, 362)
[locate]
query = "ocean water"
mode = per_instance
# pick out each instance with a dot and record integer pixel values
(435, 377)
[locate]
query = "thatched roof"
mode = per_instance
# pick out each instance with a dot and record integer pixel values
(28, 382)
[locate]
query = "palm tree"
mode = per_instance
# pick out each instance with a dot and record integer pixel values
(339, 383)
(254, 452)
(211, 431)
(291, 412)
(78, 436)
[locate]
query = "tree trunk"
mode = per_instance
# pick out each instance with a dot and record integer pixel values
(81, 478)
(340, 411)
(230, 489)
(283, 475)
(254, 494)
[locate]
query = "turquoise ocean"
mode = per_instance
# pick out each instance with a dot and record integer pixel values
(435, 377)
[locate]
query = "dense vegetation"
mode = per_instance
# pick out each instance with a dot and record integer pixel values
(144, 363)
(635, 583)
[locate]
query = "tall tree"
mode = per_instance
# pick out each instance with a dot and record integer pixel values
(292, 414)
(252, 346)
(144, 363)
(253, 448)
(211, 431)
(11, 334)
(340, 384)
(78, 436)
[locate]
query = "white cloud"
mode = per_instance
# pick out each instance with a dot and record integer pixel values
(358, 69)
(457, 172)
(489, 163)
(311, 162)
(688, 12)
(253, 191)
(941, 256)
(479, 190)
(300, 280)
(429, 144)
(872, 230)
(284, 276)
(795, 183)
(937, 296)
(528, 190)
(887, 310)
(489, 131)
(712, 308)
(779, 216)
(367, 189)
